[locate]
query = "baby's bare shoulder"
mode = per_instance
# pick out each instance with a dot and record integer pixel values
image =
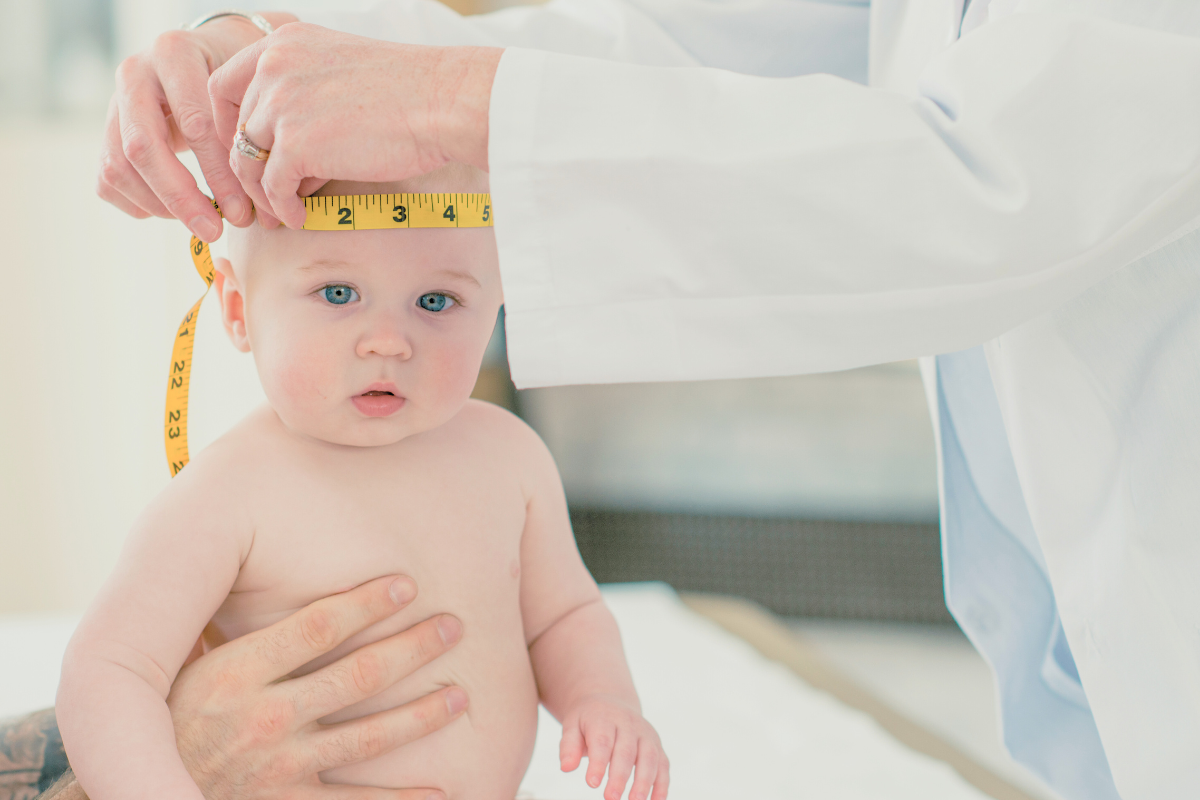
(507, 440)
(490, 425)
(245, 449)
(209, 498)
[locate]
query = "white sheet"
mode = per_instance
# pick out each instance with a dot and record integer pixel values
(734, 724)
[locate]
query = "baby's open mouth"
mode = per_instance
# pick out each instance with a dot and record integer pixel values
(378, 402)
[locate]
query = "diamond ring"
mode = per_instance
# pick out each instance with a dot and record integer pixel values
(249, 149)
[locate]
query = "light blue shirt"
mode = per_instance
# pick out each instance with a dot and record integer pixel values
(998, 590)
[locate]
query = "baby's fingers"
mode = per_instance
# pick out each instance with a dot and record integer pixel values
(599, 751)
(647, 769)
(625, 754)
(570, 749)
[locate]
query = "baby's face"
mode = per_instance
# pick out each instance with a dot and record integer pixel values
(363, 337)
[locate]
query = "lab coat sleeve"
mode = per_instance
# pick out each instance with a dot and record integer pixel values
(676, 224)
(759, 37)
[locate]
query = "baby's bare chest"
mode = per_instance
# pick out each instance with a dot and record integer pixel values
(451, 524)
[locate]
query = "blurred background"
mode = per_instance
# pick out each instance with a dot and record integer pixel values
(815, 496)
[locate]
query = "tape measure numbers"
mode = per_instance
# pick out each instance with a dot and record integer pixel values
(175, 425)
(366, 212)
(334, 213)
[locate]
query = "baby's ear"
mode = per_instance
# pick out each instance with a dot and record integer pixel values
(233, 306)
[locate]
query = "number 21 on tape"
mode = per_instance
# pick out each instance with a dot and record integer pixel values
(175, 427)
(329, 213)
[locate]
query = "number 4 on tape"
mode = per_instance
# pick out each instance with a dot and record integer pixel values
(348, 212)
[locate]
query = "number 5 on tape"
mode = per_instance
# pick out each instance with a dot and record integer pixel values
(341, 213)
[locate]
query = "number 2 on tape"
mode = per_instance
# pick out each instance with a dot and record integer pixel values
(326, 213)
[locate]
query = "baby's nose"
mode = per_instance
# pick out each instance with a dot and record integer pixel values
(385, 338)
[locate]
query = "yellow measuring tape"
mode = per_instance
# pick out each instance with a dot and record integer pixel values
(358, 212)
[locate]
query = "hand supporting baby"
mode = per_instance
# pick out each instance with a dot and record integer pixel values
(613, 734)
(245, 730)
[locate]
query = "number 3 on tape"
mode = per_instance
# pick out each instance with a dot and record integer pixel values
(349, 212)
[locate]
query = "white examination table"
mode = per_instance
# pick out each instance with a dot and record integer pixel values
(735, 724)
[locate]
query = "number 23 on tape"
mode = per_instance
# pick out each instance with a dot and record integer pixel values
(334, 213)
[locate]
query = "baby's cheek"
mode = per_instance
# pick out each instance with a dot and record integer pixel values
(453, 373)
(297, 377)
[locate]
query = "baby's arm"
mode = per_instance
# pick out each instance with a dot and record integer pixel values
(176, 568)
(575, 647)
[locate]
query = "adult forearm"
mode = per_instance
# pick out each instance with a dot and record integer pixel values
(877, 225)
(65, 788)
(31, 754)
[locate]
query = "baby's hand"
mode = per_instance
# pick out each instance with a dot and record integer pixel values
(614, 735)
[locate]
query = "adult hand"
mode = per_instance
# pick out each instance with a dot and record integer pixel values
(246, 731)
(161, 107)
(329, 105)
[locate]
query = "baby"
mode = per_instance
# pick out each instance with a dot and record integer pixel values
(369, 460)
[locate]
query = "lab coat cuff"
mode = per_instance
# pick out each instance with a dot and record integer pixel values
(525, 269)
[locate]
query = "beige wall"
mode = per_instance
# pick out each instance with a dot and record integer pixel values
(91, 298)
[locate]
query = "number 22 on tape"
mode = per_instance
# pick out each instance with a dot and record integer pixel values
(175, 427)
(325, 213)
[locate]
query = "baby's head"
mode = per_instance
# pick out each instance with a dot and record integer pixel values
(365, 337)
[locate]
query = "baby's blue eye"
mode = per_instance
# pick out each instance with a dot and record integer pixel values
(435, 302)
(340, 295)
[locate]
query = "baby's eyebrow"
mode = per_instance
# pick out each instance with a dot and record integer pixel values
(334, 264)
(462, 276)
(324, 263)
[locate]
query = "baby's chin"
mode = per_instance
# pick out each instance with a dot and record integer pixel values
(366, 432)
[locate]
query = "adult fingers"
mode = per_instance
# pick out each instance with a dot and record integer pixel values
(186, 88)
(227, 87)
(121, 202)
(281, 183)
(309, 185)
(333, 791)
(252, 173)
(624, 756)
(600, 743)
(647, 768)
(662, 781)
(271, 653)
(118, 182)
(144, 141)
(249, 171)
(371, 736)
(372, 668)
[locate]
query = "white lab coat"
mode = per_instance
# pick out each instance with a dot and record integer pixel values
(998, 188)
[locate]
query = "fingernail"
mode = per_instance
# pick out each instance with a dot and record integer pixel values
(233, 208)
(449, 628)
(402, 590)
(456, 700)
(205, 228)
(435, 796)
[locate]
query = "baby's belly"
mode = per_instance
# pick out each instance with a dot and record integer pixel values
(483, 754)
